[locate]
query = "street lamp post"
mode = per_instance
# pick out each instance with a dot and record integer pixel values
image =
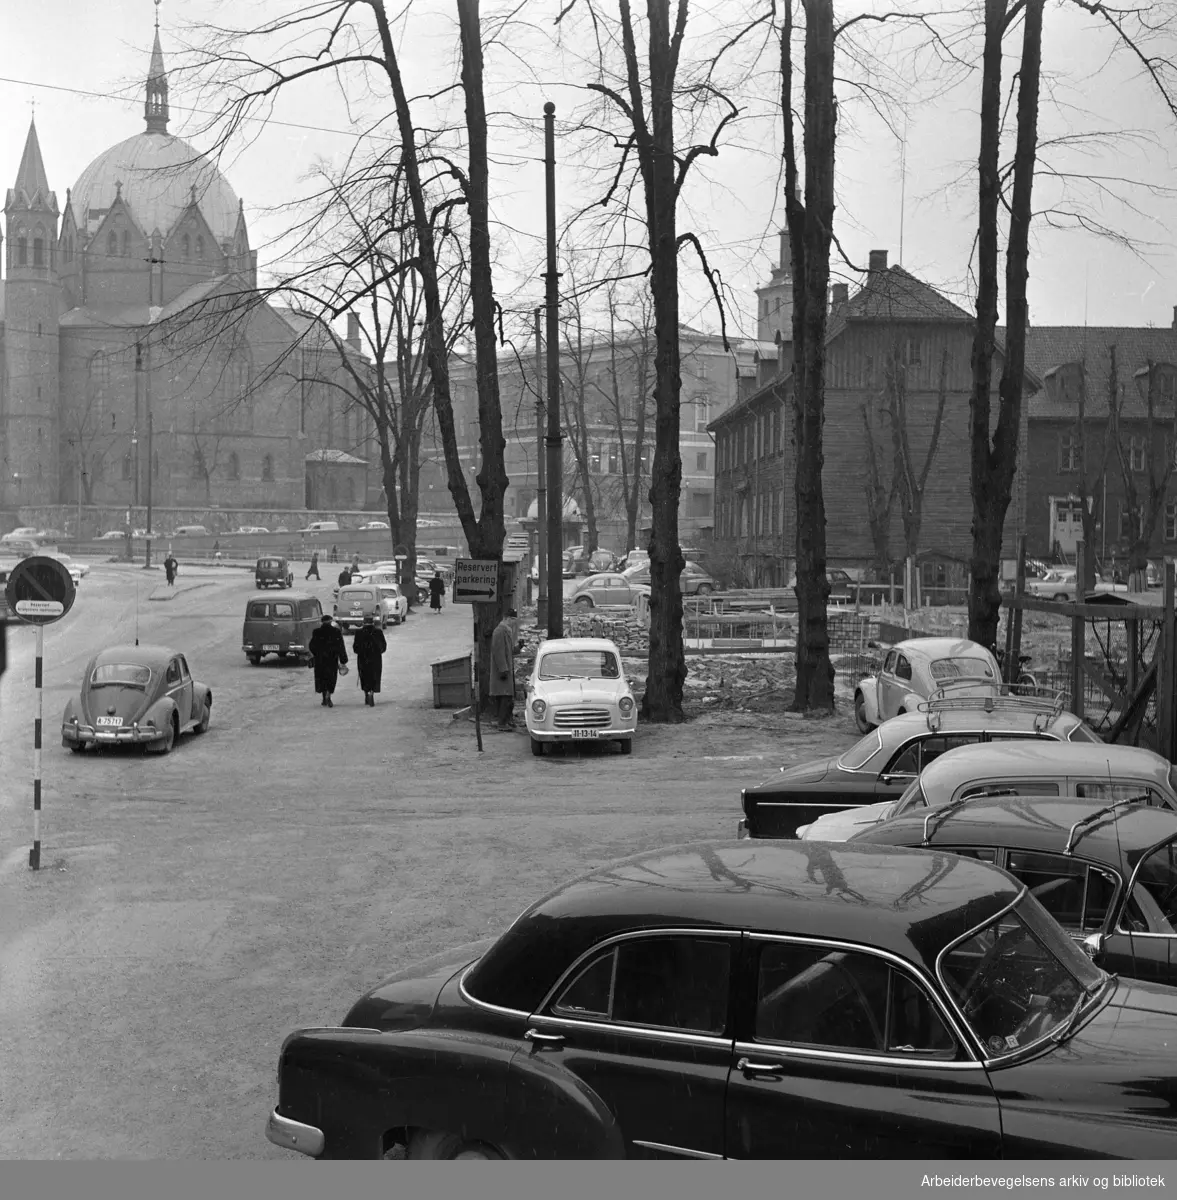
(541, 489)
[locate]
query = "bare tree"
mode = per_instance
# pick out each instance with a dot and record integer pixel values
(881, 489)
(913, 481)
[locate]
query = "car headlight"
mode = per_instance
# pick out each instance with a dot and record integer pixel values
(539, 707)
(625, 704)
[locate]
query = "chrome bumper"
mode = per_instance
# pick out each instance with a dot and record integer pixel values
(83, 733)
(294, 1135)
(742, 830)
(569, 735)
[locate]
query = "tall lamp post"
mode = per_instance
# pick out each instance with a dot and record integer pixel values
(541, 488)
(554, 440)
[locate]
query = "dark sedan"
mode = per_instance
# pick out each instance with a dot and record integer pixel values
(1106, 872)
(881, 765)
(750, 1000)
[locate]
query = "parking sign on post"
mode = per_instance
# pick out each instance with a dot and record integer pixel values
(476, 580)
(39, 591)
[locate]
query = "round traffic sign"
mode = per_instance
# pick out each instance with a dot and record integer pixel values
(40, 590)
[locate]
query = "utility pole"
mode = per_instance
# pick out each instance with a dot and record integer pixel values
(541, 489)
(555, 438)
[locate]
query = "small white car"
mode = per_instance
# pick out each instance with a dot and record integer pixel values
(251, 529)
(375, 525)
(578, 692)
(396, 604)
(914, 669)
(112, 535)
(25, 533)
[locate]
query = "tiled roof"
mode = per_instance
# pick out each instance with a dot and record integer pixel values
(895, 295)
(1051, 346)
(89, 315)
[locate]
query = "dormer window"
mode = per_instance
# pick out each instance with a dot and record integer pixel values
(199, 247)
(126, 244)
(112, 244)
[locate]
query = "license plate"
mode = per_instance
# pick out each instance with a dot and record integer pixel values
(110, 720)
(586, 733)
(270, 647)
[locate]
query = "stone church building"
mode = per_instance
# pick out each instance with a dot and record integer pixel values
(137, 354)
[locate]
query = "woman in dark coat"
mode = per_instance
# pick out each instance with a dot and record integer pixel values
(369, 648)
(329, 652)
(436, 591)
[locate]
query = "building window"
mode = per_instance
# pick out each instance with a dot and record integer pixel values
(1171, 522)
(199, 247)
(699, 506)
(595, 458)
(268, 469)
(187, 243)
(38, 252)
(702, 413)
(912, 352)
(1136, 453)
(1068, 453)
(127, 464)
(234, 466)
(126, 244)
(112, 244)
(22, 251)
(613, 464)
(701, 461)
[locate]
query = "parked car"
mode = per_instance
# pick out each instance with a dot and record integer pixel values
(1061, 583)
(23, 533)
(607, 589)
(21, 548)
(634, 558)
(1084, 770)
(1078, 858)
(378, 573)
(49, 536)
(770, 1001)
(914, 669)
(375, 525)
(355, 602)
(112, 535)
(273, 571)
(842, 585)
(282, 627)
(578, 692)
(880, 767)
(78, 571)
(576, 562)
(252, 529)
(396, 605)
(322, 527)
(136, 695)
(693, 581)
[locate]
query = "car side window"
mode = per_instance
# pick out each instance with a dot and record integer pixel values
(1111, 791)
(185, 674)
(933, 747)
(668, 982)
(980, 853)
(1074, 893)
(889, 662)
(902, 668)
(1011, 787)
(907, 761)
(837, 999)
(173, 673)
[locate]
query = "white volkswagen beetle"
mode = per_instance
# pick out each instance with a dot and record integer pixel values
(578, 692)
(914, 669)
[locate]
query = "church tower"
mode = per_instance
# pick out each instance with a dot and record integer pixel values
(774, 301)
(28, 415)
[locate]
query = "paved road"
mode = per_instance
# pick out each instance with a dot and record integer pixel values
(193, 909)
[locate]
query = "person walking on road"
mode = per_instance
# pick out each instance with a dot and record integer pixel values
(502, 670)
(169, 568)
(313, 569)
(334, 554)
(345, 576)
(436, 591)
(329, 654)
(369, 647)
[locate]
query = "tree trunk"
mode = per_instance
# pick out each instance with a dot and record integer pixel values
(993, 464)
(810, 230)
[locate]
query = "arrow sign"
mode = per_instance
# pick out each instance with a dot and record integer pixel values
(476, 580)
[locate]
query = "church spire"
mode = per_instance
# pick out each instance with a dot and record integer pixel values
(156, 108)
(31, 179)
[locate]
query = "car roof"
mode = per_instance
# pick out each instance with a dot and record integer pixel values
(575, 643)
(1041, 758)
(899, 729)
(910, 902)
(938, 646)
(284, 595)
(145, 655)
(1035, 823)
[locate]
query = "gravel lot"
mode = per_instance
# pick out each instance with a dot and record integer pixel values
(193, 909)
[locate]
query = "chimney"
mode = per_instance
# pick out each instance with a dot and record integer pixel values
(353, 329)
(839, 297)
(878, 261)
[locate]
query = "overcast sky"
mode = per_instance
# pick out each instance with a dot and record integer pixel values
(81, 63)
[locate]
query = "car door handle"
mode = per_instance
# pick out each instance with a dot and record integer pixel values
(760, 1070)
(544, 1041)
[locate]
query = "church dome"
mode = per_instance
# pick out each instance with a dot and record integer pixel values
(160, 176)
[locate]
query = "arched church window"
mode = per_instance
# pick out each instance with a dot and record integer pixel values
(127, 464)
(126, 244)
(98, 384)
(112, 243)
(22, 249)
(39, 247)
(199, 246)
(234, 466)
(187, 246)
(268, 468)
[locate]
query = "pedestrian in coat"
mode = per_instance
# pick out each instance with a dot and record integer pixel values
(334, 554)
(369, 647)
(313, 569)
(329, 654)
(169, 569)
(345, 577)
(436, 591)
(502, 670)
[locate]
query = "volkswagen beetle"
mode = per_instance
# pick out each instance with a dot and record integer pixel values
(136, 695)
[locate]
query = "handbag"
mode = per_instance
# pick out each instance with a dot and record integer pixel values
(343, 668)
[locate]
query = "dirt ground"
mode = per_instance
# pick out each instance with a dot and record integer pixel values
(193, 909)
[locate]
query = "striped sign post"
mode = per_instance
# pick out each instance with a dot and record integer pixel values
(39, 591)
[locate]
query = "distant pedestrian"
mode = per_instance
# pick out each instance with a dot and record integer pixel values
(345, 576)
(169, 568)
(313, 569)
(329, 654)
(436, 591)
(355, 565)
(369, 647)
(216, 545)
(502, 670)
(334, 554)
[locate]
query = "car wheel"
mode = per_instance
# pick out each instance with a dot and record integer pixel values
(704, 590)
(202, 725)
(583, 602)
(627, 746)
(1061, 596)
(864, 726)
(425, 1143)
(259, 586)
(169, 737)
(256, 659)
(537, 748)
(76, 747)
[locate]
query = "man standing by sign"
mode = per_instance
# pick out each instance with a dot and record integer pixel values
(502, 670)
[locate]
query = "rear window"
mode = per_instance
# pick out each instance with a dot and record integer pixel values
(259, 610)
(270, 564)
(283, 609)
(961, 668)
(126, 674)
(357, 594)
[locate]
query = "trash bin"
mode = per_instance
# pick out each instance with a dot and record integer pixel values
(452, 683)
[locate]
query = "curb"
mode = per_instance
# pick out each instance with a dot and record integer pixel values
(164, 593)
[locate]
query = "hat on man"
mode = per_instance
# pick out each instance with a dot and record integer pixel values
(326, 619)
(512, 613)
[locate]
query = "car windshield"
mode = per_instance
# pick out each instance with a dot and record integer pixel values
(389, 590)
(1158, 878)
(912, 798)
(270, 563)
(944, 669)
(579, 664)
(862, 751)
(120, 675)
(1019, 979)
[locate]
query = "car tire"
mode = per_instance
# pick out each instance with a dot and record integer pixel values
(627, 746)
(202, 725)
(583, 602)
(256, 659)
(259, 585)
(860, 720)
(704, 590)
(425, 1143)
(169, 740)
(76, 747)
(537, 747)
(1061, 596)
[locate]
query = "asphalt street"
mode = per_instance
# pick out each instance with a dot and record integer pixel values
(192, 909)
